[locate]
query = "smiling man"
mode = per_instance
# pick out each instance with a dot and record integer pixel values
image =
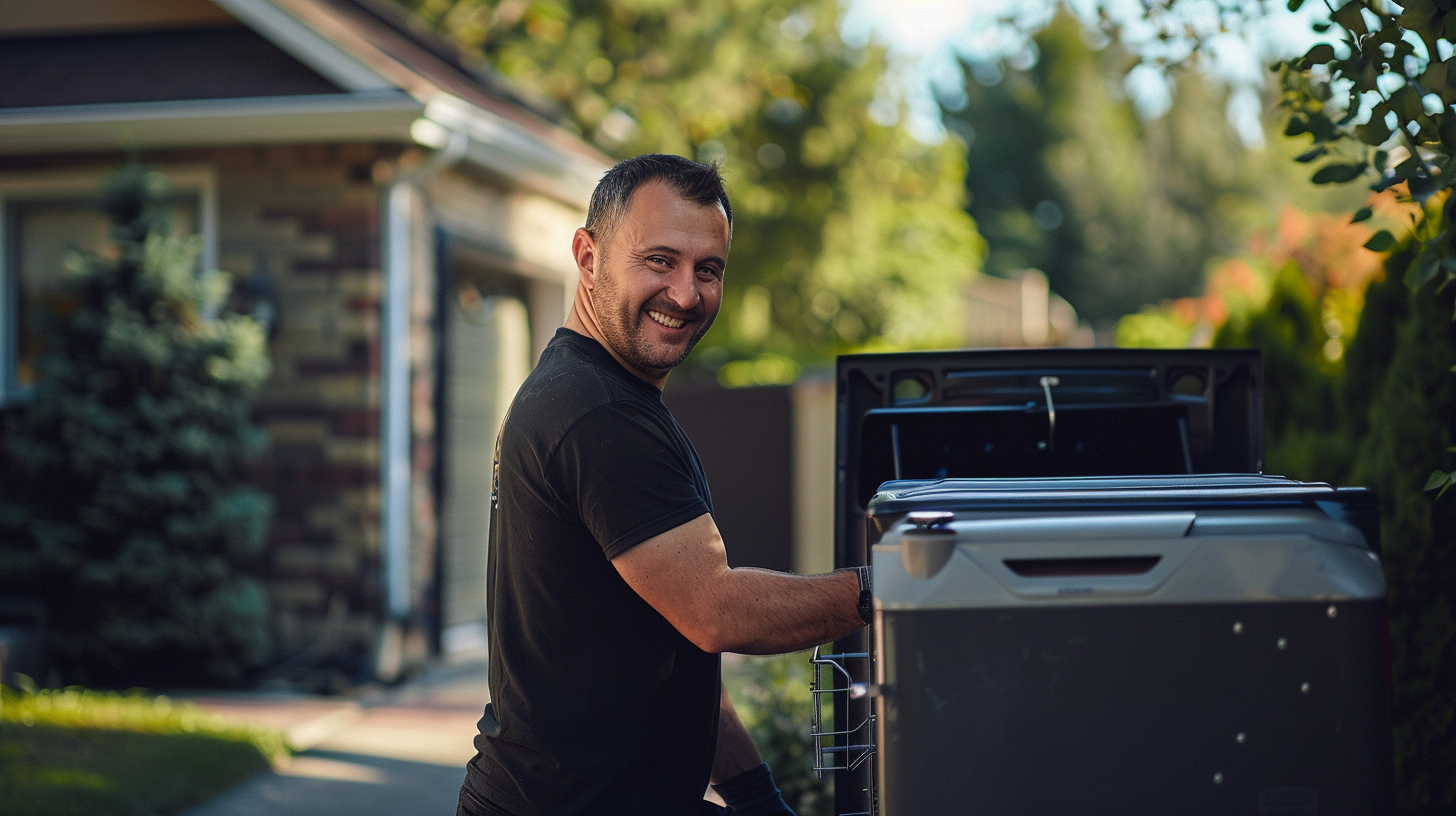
(610, 594)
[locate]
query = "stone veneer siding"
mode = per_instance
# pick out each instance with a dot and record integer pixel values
(309, 217)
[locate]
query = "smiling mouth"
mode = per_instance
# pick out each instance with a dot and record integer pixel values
(670, 322)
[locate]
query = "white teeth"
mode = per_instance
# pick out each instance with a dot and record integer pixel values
(670, 322)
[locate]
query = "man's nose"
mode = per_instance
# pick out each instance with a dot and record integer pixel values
(682, 288)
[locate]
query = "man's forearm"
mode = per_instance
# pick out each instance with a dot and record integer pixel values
(740, 775)
(735, 752)
(765, 612)
(684, 575)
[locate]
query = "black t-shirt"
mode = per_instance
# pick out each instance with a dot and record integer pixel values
(598, 704)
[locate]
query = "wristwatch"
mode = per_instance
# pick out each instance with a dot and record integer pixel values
(866, 594)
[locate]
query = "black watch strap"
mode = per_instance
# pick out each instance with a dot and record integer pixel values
(866, 594)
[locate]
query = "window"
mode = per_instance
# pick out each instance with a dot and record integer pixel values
(44, 217)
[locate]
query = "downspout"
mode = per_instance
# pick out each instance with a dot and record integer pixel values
(394, 403)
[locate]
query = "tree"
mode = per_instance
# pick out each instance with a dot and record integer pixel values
(1118, 210)
(126, 513)
(1379, 102)
(847, 233)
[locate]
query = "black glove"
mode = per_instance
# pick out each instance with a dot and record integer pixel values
(753, 793)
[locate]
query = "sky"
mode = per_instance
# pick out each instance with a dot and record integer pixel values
(925, 38)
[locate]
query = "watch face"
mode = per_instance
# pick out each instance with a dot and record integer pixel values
(866, 605)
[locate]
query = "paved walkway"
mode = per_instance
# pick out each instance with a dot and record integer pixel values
(397, 752)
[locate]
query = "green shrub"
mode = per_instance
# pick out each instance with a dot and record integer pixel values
(1410, 422)
(126, 512)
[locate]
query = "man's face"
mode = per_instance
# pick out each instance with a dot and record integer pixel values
(659, 278)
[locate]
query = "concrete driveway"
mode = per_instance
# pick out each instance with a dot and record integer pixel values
(397, 752)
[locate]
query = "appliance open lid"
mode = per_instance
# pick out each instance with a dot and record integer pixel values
(1039, 413)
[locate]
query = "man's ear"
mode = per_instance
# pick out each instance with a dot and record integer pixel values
(584, 249)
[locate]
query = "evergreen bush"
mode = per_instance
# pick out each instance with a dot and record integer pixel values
(127, 514)
(1410, 421)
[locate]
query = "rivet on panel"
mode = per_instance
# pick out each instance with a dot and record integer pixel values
(1238, 628)
(1332, 611)
(1240, 738)
(1282, 643)
(1218, 779)
(1304, 688)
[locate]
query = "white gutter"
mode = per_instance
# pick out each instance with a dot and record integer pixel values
(384, 116)
(395, 463)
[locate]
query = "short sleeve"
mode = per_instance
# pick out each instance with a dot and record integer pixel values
(625, 475)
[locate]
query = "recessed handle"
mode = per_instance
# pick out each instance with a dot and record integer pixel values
(1082, 567)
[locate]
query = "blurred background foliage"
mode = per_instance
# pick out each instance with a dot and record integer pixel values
(126, 512)
(1118, 209)
(848, 234)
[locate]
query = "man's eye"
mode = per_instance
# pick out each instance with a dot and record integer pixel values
(707, 271)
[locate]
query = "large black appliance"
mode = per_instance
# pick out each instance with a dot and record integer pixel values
(1088, 600)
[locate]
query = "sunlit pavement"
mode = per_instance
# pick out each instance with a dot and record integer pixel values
(399, 752)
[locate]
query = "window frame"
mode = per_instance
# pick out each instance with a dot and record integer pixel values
(72, 184)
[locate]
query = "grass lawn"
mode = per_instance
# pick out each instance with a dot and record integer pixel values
(81, 752)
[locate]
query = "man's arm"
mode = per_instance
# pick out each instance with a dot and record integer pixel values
(736, 752)
(740, 776)
(684, 574)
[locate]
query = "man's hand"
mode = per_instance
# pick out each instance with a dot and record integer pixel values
(684, 574)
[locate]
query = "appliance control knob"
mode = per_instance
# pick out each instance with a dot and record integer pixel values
(927, 520)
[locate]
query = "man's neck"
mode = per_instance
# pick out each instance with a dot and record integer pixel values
(583, 321)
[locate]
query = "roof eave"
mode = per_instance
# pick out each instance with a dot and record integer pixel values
(503, 146)
(496, 144)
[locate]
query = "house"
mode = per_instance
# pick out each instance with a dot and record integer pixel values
(399, 219)
(1020, 311)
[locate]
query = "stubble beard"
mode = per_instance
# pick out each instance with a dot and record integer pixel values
(622, 327)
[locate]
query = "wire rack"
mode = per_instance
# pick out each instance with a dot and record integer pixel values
(835, 750)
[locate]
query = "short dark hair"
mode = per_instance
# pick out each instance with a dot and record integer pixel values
(699, 183)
